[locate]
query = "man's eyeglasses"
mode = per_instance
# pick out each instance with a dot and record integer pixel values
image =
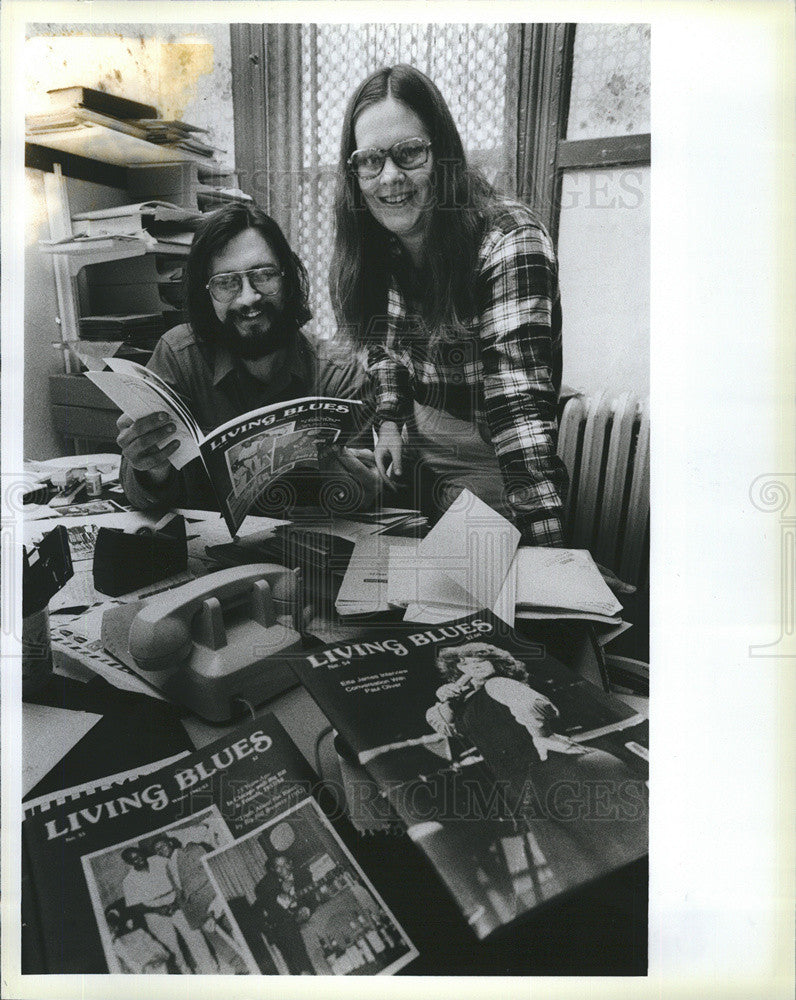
(406, 155)
(228, 286)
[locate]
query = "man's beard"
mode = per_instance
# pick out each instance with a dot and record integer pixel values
(274, 331)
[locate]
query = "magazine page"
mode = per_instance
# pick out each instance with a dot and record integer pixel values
(220, 863)
(519, 779)
(125, 367)
(138, 397)
(245, 455)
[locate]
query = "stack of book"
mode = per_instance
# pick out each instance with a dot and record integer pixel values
(177, 135)
(73, 107)
(148, 220)
(97, 125)
(564, 583)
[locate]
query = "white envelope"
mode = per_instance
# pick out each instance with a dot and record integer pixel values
(473, 546)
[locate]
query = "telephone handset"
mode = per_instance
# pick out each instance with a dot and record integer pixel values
(213, 644)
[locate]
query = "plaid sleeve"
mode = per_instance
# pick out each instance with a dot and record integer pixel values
(517, 337)
(389, 374)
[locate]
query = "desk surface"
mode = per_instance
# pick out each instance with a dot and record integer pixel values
(600, 930)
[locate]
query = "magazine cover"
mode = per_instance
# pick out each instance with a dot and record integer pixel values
(519, 779)
(220, 863)
(243, 457)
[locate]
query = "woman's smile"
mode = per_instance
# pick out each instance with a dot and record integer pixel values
(399, 199)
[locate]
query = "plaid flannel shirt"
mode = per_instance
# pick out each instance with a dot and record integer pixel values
(505, 376)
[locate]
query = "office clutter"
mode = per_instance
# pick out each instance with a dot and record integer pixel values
(88, 122)
(125, 561)
(45, 570)
(224, 643)
(471, 559)
(286, 896)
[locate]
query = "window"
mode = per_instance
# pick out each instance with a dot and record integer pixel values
(306, 74)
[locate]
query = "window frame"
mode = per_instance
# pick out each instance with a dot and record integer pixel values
(545, 61)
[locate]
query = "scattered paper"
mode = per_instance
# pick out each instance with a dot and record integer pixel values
(66, 643)
(558, 579)
(106, 463)
(364, 587)
(51, 733)
(437, 614)
(413, 579)
(462, 565)
(473, 546)
(132, 520)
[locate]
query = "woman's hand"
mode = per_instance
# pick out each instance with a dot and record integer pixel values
(618, 586)
(440, 718)
(447, 692)
(359, 464)
(146, 443)
(388, 453)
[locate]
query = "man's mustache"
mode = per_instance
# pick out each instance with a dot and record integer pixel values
(268, 309)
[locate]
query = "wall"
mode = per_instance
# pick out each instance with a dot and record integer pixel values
(604, 230)
(604, 259)
(185, 72)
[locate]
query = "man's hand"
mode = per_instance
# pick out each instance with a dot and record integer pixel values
(147, 442)
(358, 463)
(388, 452)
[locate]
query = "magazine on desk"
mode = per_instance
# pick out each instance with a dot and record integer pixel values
(220, 862)
(243, 456)
(519, 779)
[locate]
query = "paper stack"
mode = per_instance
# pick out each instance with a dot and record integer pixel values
(462, 565)
(364, 587)
(470, 560)
(563, 583)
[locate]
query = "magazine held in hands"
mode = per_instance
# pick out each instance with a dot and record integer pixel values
(220, 862)
(244, 455)
(519, 779)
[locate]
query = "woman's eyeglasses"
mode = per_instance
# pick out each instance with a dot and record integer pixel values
(406, 155)
(228, 286)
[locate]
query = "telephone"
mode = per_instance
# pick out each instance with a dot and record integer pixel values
(213, 644)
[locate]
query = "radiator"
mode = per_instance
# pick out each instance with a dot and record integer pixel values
(604, 441)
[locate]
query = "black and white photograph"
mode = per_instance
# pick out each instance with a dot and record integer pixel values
(155, 906)
(390, 392)
(303, 904)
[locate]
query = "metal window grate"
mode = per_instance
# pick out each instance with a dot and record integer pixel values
(468, 62)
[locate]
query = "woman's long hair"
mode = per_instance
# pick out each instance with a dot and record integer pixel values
(504, 663)
(462, 198)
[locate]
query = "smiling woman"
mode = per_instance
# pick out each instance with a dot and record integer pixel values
(399, 193)
(452, 295)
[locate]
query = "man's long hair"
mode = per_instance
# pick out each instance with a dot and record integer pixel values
(214, 233)
(462, 199)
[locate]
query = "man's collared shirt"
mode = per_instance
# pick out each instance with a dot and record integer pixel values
(216, 388)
